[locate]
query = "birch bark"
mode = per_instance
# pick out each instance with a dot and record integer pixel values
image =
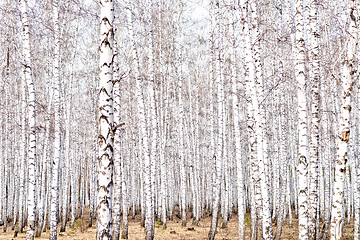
(249, 75)
(23, 158)
(348, 71)
(314, 74)
(260, 121)
(143, 134)
(221, 121)
(57, 140)
(284, 168)
(238, 156)
(66, 198)
(105, 122)
(117, 147)
(32, 120)
(303, 128)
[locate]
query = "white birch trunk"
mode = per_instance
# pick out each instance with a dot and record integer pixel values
(303, 139)
(144, 140)
(238, 156)
(357, 200)
(125, 199)
(57, 140)
(151, 112)
(355, 172)
(337, 220)
(117, 147)
(105, 122)
(45, 169)
(23, 158)
(284, 166)
(314, 74)
(6, 173)
(249, 74)
(219, 83)
(32, 121)
(181, 142)
(260, 121)
(67, 180)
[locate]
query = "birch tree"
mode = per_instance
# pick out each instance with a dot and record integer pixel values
(235, 83)
(117, 148)
(221, 123)
(57, 140)
(258, 94)
(143, 133)
(105, 122)
(32, 120)
(314, 75)
(347, 75)
(192, 80)
(302, 164)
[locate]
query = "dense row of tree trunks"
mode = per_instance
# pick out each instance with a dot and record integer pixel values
(237, 110)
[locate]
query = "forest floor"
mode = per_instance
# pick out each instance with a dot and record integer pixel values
(174, 230)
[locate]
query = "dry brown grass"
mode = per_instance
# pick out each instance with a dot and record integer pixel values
(174, 230)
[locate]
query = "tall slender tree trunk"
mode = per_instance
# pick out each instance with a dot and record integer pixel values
(105, 122)
(125, 223)
(124, 234)
(258, 100)
(181, 140)
(23, 158)
(249, 75)
(303, 128)
(238, 156)
(337, 220)
(57, 140)
(117, 148)
(32, 121)
(147, 205)
(221, 122)
(151, 109)
(284, 168)
(314, 74)
(149, 217)
(66, 198)
(357, 200)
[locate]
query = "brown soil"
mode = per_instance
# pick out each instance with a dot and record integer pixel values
(174, 230)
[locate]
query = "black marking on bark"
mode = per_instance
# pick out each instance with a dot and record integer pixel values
(348, 108)
(109, 146)
(345, 135)
(115, 128)
(302, 191)
(106, 43)
(102, 117)
(103, 90)
(353, 18)
(105, 20)
(302, 160)
(101, 140)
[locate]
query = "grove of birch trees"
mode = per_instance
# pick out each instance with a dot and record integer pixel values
(227, 110)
